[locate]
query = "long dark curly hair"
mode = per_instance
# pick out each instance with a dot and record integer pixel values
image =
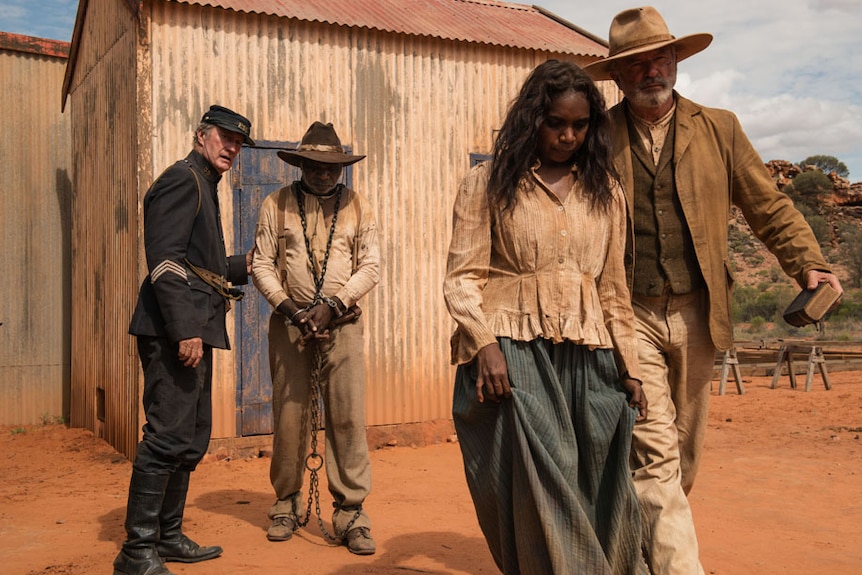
(516, 146)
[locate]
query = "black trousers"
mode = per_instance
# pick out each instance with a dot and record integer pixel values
(178, 408)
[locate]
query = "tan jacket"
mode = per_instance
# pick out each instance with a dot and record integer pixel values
(543, 269)
(715, 166)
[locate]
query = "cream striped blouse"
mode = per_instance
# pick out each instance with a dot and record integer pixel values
(543, 269)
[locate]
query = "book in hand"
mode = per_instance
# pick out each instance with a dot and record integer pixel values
(811, 305)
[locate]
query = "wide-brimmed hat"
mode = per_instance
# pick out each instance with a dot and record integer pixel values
(230, 121)
(319, 144)
(640, 30)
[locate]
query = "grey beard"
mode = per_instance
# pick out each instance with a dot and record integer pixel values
(651, 100)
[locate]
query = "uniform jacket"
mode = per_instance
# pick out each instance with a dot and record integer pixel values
(182, 222)
(715, 166)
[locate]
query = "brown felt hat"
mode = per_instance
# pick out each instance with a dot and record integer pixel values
(640, 30)
(319, 144)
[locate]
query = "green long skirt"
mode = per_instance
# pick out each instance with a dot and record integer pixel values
(548, 469)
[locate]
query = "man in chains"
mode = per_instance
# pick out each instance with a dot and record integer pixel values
(316, 256)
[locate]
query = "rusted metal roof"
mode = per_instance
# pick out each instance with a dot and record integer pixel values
(480, 21)
(33, 45)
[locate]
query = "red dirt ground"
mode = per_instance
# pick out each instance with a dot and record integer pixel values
(779, 492)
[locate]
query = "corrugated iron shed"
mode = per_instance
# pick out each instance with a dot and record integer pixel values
(402, 90)
(480, 21)
(32, 45)
(35, 220)
(505, 24)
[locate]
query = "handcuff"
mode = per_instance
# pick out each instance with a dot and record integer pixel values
(334, 304)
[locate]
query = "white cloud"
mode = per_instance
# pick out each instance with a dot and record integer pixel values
(714, 90)
(848, 6)
(786, 127)
(783, 126)
(10, 12)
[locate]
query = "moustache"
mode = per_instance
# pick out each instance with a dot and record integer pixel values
(661, 83)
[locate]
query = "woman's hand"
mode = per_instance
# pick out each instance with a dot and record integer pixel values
(637, 397)
(493, 378)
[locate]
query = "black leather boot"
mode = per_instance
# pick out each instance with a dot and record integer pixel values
(138, 555)
(173, 544)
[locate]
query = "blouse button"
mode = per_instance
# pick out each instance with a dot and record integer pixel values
(563, 233)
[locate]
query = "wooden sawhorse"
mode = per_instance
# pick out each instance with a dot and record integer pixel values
(815, 358)
(730, 362)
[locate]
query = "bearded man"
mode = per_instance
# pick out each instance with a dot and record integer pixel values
(682, 166)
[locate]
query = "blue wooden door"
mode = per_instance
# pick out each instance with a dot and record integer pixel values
(258, 172)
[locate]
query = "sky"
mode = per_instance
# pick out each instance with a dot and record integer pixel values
(791, 70)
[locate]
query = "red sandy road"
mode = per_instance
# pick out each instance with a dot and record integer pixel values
(779, 492)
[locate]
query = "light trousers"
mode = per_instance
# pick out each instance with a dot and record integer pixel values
(342, 389)
(677, 358)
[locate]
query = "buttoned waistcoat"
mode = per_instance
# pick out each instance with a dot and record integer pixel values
(716, 167)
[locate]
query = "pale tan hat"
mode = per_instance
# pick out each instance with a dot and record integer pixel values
(641, 30)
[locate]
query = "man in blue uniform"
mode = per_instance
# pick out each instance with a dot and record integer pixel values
(179, 319)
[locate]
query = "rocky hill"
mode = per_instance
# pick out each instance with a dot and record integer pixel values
(844, 193)
(842, 210)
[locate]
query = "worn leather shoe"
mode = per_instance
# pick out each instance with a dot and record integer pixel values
(282, 528)
(359, 541)
(184, 550)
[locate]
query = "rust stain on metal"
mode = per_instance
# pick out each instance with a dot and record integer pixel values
(33, 45)
(480, 21)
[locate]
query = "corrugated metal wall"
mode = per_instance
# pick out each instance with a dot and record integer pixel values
(105, 208)
(35, 251)
(416, 106)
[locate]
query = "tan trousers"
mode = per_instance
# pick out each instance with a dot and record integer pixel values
(342, 388)
(677, 357)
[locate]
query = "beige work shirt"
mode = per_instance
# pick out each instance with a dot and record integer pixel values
(355, 234)
(543, 269)
(654, 134)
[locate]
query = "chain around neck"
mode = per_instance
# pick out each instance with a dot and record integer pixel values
(307, 190)
(300, 202)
